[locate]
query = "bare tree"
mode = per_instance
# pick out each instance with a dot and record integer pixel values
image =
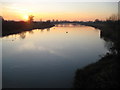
(1, 18)
(113, 17)
(30, 18)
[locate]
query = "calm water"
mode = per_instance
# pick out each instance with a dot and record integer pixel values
(49, 58)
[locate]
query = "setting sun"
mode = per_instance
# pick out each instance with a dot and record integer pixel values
(25, 17)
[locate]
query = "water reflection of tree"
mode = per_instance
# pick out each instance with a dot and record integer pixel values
(42, 30)
(48, 29)
(30, 32)
(22, 35)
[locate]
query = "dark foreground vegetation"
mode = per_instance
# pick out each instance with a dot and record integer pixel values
(105, 72)
(102, 74)
(14, 27)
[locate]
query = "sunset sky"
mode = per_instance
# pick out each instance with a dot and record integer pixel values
(48, 10)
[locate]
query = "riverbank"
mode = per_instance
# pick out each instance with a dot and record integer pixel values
(109, 29)
(105, 72)
(14, 27)
(102, 74)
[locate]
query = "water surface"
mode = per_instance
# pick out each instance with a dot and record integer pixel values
(49, 58)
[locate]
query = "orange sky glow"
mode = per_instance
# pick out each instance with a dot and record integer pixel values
(58, 11)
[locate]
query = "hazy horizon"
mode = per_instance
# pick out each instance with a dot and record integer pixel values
(80, 11)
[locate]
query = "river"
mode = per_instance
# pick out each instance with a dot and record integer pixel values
(49, 58)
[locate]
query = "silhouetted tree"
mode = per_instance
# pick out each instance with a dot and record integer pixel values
(114, 17)
(53, 20)
(56, 20)
(40, 20)
(30, 18)
(1, 18)
(97, 20)
(48, 21)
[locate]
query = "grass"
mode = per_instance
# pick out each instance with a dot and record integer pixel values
(102, 74)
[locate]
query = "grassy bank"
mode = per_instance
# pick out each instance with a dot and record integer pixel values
(102, 74)
(14, 27)
(109, 29)
(105, 72)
